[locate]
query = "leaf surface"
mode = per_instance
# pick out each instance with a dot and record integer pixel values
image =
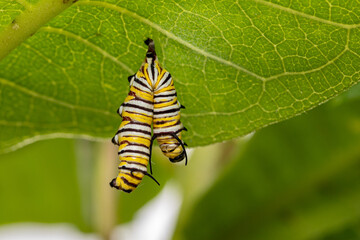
(237, 66)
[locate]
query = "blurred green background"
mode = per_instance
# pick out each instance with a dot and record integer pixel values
(299, 179)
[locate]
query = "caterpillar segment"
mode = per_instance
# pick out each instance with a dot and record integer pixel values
(167, 126)
(134, 134)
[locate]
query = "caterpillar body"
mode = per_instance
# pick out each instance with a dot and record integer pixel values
(167, 126)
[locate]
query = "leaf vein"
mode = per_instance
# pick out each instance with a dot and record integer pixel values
(50, 99)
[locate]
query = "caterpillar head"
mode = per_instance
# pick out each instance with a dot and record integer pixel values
(151, 48)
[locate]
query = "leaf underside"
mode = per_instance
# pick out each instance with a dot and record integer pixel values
(237, 66)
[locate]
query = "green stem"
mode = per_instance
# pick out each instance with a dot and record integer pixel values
(105, 200)
(28, 22)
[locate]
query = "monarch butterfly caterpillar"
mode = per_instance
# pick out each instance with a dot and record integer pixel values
(139, 110)
(166, 117)
(134, 134)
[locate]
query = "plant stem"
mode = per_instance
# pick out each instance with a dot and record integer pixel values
(28, 22)
(105, 201)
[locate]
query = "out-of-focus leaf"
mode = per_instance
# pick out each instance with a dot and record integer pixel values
(297, 180)
(44, 188)
(237, 65)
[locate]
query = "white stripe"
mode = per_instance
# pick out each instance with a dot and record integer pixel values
(137, 110)
(166, 115)
(141, 104)
(163, 99)
(166, 93)
(174, 106)
(134, 134)
(136, 148)
(141, 87)
(134, 166)
(116, 138)
(137, 126)
(168, 129)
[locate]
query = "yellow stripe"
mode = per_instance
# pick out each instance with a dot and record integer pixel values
(177, 117)
(142, 94)
(130, 179)
(139, 140)
(139, 74)
(128, 98)
(122, 146)
(146, 74)
(169, 88)
(137, 117)
(123, 123)
(167, 124)
(166, 104)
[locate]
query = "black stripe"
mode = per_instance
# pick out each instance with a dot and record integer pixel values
(133, 162)
(133, 130)
(169, 116)
(139, 90)
(133, 151)
(167, 111)
(132, 170)
(138, 123)
(129, 174)
(141, 83)
(143, 100)
(171, 125)
(162, 122)
(136, 106)
(165, 95)
(153, 69)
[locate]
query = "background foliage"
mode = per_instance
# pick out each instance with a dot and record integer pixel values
(238, 66)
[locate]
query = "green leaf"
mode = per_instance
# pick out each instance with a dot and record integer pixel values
(238, 66)
(296, 180)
